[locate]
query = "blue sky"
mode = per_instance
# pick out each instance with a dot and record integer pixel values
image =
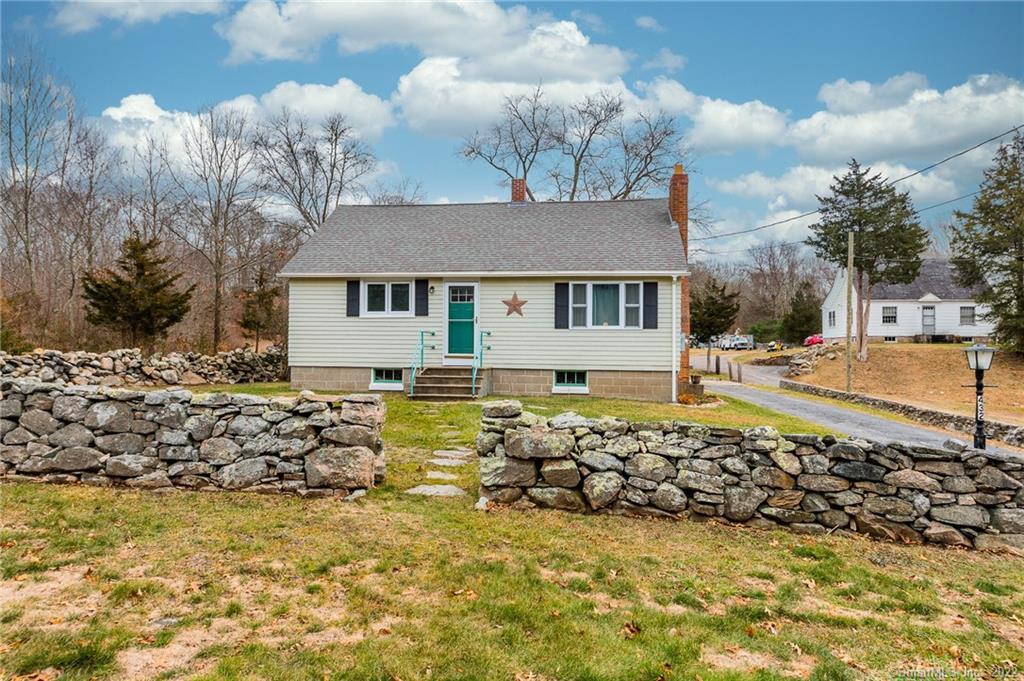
(772, 97)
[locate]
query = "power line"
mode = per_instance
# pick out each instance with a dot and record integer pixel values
(901, 179)
(801, 241)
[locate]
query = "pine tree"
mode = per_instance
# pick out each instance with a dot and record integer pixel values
(139, 299)
(712, 311)
(888, 239)
(260, 312)
(988, 244)
(804, 316)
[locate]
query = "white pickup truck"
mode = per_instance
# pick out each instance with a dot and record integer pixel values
(736, 342)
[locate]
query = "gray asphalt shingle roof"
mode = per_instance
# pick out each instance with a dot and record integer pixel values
(592, 236)
(937, 277)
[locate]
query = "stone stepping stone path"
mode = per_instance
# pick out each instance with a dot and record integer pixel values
(437, 491)
(449, 458)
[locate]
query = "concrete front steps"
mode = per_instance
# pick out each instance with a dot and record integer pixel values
(446, 384)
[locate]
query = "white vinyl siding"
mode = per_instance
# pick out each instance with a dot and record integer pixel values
(320, 333)
(533, 342)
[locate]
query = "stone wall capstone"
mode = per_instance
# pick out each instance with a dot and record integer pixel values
(131, 367)
(901, 492)
(306, 445)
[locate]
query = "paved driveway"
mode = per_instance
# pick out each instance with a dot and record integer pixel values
(842, 419)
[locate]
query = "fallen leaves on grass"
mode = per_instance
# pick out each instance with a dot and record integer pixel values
(629, 630)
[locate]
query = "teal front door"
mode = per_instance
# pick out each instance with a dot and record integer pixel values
(461, 318)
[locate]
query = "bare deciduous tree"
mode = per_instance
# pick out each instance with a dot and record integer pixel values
(401, 193)
(219, 187)
(36, 112)
(590, 149)
(521, 137)
(311, 168)
(580, 133)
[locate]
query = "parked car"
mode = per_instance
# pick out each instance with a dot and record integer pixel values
(736, 342)
(816, 339)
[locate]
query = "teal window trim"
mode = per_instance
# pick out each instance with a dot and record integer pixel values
(378, 376)
(571, 384)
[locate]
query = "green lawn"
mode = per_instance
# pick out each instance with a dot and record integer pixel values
(98, 583)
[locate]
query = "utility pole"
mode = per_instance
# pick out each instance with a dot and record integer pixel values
(849, 310)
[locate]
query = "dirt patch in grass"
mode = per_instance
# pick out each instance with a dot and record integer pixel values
(930, 376)
(148, 662)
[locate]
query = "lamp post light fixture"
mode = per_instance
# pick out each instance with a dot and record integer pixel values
(979, 358)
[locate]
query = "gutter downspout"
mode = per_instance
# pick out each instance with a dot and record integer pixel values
(675, 338)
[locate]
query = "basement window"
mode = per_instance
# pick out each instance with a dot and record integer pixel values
(386, 379)
(889, 339)
(570, 381)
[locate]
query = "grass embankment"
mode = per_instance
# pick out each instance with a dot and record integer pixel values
(931, 376)
(111, 583)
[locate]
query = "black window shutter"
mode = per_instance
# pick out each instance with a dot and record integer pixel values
(650, 304)
(352, 300)
(562, 305)
(422, 298)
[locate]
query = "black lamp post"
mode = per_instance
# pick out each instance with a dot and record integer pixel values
(979, 358)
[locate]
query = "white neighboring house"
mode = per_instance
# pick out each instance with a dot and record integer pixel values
(931, 308)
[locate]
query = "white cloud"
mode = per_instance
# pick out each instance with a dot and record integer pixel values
(667, 60)
(649, 24)
(927, 124)
(797, 187)
(437, 97)
(718, 124)
(139, 116)
(844, 97)
(368, 114)
(592, 21)
(486, 31)
(77, 16)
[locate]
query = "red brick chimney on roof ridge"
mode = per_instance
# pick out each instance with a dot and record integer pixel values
(679, 210)
(518, 189)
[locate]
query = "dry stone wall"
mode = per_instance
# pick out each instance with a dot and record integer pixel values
(306, 445)
(131, 367)
(815, 485)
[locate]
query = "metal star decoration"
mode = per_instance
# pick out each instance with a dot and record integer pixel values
(514, 304)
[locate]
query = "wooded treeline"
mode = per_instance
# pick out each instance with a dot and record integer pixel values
(229, 202)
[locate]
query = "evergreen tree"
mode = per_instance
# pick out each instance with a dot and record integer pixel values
(804, 316)
(988, 244)
(138, 299)
(712, 312)
(888, 240)
(260, 311)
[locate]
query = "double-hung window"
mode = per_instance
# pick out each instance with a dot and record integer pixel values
(387, 298)
(889, 314)
(967, 315)
(613, 305)
(832, 318)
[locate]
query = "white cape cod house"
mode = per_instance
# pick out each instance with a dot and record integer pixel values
(461, 300)
(933, 307)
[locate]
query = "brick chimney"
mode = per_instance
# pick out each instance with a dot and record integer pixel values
(679, 209)
(518, 189)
